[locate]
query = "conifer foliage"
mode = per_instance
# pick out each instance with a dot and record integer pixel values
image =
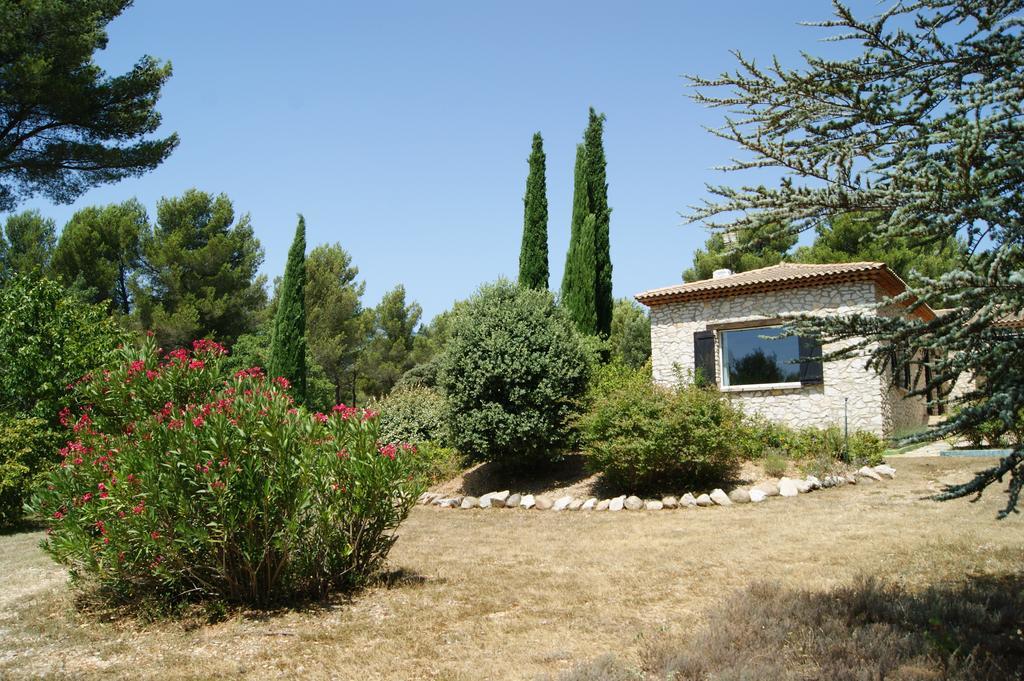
(288, 348)
(587, 281)
(922, 130)
(533, 258)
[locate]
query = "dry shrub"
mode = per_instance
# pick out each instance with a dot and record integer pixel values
(868, 631)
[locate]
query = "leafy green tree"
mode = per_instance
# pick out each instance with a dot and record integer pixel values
(288, 345)
(579, 287)
(741, 251)
(100, 250)
(597, 205)
(65, 125)
(50, 340)
(850, 238)
(199, 277)
(513, 371)
(533, 257)
(388, 350)
(333, 310)
(630, 339)
(26, 245)
(428, 347)
(922, 130)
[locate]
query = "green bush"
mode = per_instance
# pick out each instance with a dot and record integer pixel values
(178, 480)
(775, 464)
(413, 414)
(642, 436)
(25, 444)
(513, 372)
(760, 437)
(435, 463)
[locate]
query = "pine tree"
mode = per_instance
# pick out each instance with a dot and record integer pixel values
(288, 347)
(533, 257)
(922, 131)
(597, 198)
(579, 278)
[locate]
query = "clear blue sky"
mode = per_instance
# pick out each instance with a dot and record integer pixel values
(401, 129)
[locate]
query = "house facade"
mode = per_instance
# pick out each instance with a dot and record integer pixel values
(728, 330)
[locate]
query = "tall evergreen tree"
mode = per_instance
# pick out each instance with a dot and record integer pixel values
(579, 278)
(389, 348)
(28, 245)
(533, 257)
(288, 347)
(334, 329)
(199, 273)
(597, 198)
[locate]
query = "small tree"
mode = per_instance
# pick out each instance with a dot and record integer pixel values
(288, 348)
(513, 371)
(26, 245)
(533, 257)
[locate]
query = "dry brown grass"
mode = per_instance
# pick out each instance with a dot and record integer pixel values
(520, 594)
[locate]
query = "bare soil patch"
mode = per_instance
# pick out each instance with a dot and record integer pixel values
(524, 594)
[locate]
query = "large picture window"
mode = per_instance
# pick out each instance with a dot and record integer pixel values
(752, 357)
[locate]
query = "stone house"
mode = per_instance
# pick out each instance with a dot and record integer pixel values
(722, 328)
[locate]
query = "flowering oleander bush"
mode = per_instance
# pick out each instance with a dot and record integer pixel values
(180, 481)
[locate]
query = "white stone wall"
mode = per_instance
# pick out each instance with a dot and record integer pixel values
(846, 382)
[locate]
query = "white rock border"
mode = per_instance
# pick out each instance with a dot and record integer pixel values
(758, 494)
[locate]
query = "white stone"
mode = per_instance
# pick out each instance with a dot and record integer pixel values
(720, 497)
(868, 472)
(886, 470)
(687, 500)
(576, 505)
(485, 500)
(603, 505)
(653, 505)
(757, 496)
(704, 500)
(802, 486)
(788, 488)
(470, 502)
(528, 501)
(617, 504)
(561, 503)
(813, 482)
(589, 504)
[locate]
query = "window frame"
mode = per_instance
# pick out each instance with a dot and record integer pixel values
(723, 368)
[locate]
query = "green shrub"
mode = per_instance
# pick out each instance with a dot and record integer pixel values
(413, 414)
(177, 480)
(25, 444)
(759, 437)
(865, 448)
(775, 464)
(435, 463)
(513, 372)
(642, 436)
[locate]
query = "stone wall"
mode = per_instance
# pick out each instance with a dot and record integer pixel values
(864, 396)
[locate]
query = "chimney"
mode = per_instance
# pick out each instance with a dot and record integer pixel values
(721, 274)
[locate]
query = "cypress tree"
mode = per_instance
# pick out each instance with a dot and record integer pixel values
(533, 256)
(597, 199)
(288, 348)
(578, 281)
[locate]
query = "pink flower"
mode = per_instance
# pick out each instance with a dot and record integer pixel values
(139, 508)
(151, 374)
(65, 417)
(322, 418)
(58, 515)
(283, 382)
(345, 412)
(196, 364)
(154, 534)
(389, 451)
(209, 346)
(198, 422)
(343, 453)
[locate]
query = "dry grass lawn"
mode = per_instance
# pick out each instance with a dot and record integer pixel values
(518, 594)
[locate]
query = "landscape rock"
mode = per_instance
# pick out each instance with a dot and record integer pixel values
(720, 497)
(603, 505)
(769, 488)
(617, 504)
(688, 500)
(704, 500)
(528, 501)
(670, 502)
(576, 505)
(653, 505)
(868, 472)
(633, 503)
(543, 503)
(562, 503)
(497, 502)
(788, 488)
(470, 502)
(886, 470)
(485, 501)
(851, 479)
(802, 486)
(814, 482)
(739, 496)
(757, 496)
(589, 504)
(447, 502)
(513, 500)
